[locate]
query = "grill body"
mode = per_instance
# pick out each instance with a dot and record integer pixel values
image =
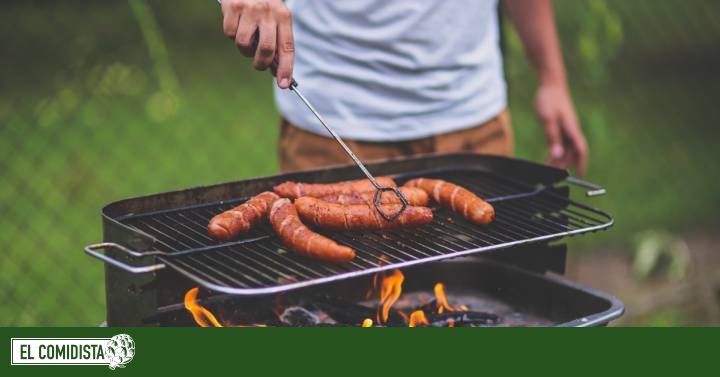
(519, 297)
(531, 210)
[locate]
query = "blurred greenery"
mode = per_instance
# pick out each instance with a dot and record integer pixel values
(668, 317)
(101, 101)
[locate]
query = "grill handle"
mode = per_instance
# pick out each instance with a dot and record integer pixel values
(594, 190)
(92, 251)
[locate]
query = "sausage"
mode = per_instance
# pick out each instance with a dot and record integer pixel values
(242, 218)
(414, 196)
(299, 238)
(458, 199)
(358, 216)
(294, 190)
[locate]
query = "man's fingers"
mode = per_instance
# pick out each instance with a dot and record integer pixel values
(285, 50)
(577, 143)
(245, 37)
(231, 18)
(262, 29)
(554, 138)
(267, 42)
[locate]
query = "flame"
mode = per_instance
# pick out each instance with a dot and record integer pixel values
(371, 291)
(202, 316)
(417, 318)
(390, 290)
(442, 302)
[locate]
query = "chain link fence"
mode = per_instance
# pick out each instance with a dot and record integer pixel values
(101, 101)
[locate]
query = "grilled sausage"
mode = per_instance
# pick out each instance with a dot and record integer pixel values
(294, 190)
(414, 196)
(299, 238)
(242, 218)
(456, 198)
(358, 216)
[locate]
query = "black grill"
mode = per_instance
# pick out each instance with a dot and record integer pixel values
(260, 264)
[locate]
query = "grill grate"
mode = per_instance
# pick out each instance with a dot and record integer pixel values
(260, 264)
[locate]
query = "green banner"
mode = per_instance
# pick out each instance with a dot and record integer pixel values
(371, 351)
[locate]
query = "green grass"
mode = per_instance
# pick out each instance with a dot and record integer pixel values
(88, 117)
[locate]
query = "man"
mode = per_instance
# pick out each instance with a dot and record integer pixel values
(403, 77)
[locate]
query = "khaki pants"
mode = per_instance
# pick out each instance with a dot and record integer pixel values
(300, 150)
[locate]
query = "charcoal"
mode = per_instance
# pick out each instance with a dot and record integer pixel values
(299, 316)
(463, 319)
(345, 312)
(428, 307)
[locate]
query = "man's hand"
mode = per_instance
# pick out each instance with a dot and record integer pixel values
(566, 142)
(271, 19)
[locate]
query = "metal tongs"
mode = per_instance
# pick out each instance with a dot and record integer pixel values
(378, 188)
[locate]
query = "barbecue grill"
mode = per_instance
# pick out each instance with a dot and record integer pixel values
(156, 247)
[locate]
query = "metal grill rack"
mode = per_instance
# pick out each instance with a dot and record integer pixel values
(260, 264)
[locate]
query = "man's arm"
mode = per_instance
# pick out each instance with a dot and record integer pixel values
(535, 24)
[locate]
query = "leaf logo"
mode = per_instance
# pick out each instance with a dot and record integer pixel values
(120, 350)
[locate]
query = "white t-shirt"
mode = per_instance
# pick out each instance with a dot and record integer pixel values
(393, 70)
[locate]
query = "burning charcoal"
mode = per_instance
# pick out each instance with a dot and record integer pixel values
(299, 316)
(429, 307)
(343, 311)
(395, 319)
(349, 313)
(466, 319)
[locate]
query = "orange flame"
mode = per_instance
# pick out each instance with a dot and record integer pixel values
(371, 291)
(442, 302)
(202, 316)
(451, 322)
(390, 290)
(417, 318)
(367, 322)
